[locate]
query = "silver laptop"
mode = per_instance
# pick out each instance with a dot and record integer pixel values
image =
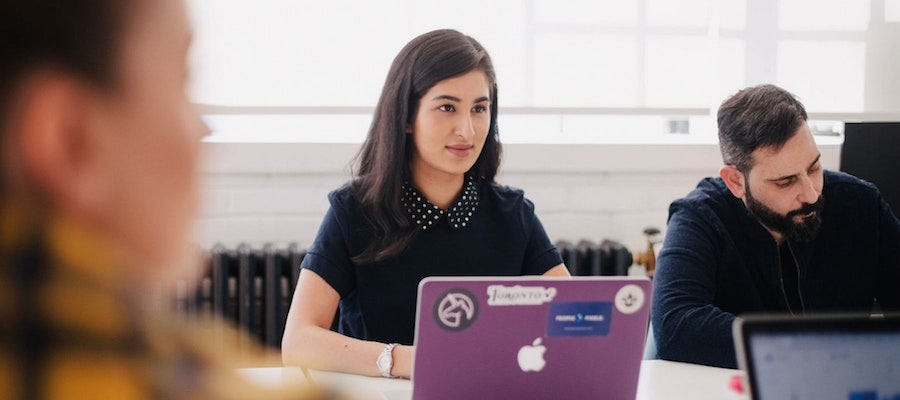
(847, 357)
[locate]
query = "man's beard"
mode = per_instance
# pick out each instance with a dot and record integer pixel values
(803, 231)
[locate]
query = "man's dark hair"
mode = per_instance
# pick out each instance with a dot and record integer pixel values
(755, 117)
(79, 37)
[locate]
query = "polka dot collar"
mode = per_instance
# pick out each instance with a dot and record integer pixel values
(427, 215)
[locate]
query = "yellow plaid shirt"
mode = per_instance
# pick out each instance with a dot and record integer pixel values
(69, 328)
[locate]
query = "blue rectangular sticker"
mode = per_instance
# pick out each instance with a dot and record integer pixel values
(579, 319)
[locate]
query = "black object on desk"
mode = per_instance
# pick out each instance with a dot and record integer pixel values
(871, 151)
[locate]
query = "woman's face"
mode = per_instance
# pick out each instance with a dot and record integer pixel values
(451, 125)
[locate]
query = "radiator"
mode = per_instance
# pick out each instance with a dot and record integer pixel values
(249, 287)
(587, 258)
(253, 287)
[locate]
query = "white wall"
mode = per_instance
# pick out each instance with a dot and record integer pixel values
(276, 192)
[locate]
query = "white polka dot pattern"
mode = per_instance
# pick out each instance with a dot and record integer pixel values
(427, 215)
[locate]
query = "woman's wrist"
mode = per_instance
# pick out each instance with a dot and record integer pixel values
(402, 361)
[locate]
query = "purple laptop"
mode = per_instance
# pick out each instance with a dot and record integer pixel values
(530, 337)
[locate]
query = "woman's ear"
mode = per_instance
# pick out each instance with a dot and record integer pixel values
(56, 148)
(734, 179)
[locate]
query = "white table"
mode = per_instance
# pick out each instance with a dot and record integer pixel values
(658, 380)
(674, 380)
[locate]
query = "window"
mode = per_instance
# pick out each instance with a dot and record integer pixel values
(568, 71)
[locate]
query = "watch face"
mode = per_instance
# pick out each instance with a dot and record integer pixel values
(384, 362)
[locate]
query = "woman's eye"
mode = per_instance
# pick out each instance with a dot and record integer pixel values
(479, 109)
(446, 107)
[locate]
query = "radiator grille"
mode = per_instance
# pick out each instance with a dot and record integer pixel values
(253, 287)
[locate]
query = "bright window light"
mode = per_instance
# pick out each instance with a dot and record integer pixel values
(827, 76)
(569, 70)
(609, 13)
(823, 15)
(678, 71)
(730, 74)
(732, 14)
(285, 52)
(585, 70)
(686, 13)
(892, 10)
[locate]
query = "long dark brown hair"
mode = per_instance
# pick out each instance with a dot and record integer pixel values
(384, 160)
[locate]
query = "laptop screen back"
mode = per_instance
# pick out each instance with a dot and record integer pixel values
(530, 337)
(837, 359)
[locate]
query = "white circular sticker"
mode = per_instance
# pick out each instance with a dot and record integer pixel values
(629, 299)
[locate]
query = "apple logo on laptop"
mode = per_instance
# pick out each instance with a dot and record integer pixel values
(531, 358)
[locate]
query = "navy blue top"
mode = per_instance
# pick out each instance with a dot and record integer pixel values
(718, 261)
(378, 301)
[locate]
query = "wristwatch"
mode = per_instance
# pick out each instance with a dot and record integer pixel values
(385, 361)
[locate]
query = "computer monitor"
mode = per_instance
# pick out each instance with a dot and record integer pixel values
(871, 151)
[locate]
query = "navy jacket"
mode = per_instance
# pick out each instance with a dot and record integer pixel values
(718, 262)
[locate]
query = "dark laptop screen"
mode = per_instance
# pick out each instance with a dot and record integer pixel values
(871, 151)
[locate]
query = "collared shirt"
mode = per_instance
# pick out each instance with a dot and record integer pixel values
(426, 215)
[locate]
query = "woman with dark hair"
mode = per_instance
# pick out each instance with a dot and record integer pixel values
(424, 202)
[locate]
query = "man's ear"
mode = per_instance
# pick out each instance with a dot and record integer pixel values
(734, 179)
(55, 145)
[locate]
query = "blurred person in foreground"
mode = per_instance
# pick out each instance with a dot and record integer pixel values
(99, 149)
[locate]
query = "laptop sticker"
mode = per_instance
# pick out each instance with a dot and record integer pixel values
(629, 299)
(456, 309)
(499, 295)
(579, 318)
